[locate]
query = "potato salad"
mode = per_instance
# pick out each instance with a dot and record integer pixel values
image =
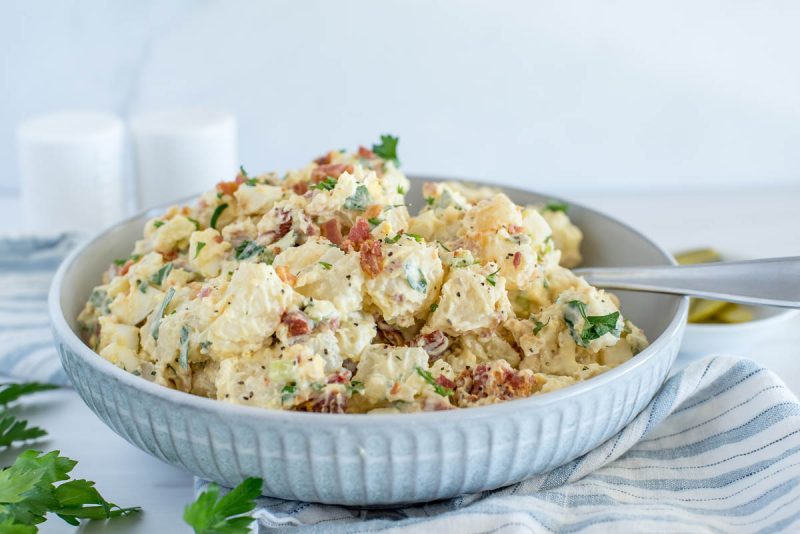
(318, 291)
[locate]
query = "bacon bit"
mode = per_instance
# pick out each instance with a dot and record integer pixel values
(388, 334)
(297, 322)
(285, 275)
(227, 188)
(340, 377)
(359, 233)
(332, 230)
(366, 153)
(350, 365)
(514, 229)
(371, 258)
(218, 239)
(496, 382)
(169, 256)
(301, 188)
(434, 343)
(436, 403)
(186, 210)
(373, 210)
(324, 160)
(125, 267)
(445, 382)
(284, 220)
(334, 170)
(328, 402)
(206, 291)
(517, 259)
(395, 388)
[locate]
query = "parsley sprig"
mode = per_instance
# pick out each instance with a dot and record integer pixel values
(212, 514)
(595, 326)
(325, 185)
(387, 149)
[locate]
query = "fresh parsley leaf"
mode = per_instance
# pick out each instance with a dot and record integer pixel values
(28, 492)
(556, 206)
(122, 261)
(392, 240)
(415, 237)
(200, 246)
(247, 249)
(401, 190)
(158, 224)
(325, 185)
(433, 307)
(210, 514)
(161, 309)
(359, 200)
(288, 392)
(183, 353)
(243, 172)
(415, 277)
(195, 222)
(387, 149)
(374, 221)
(13, 430)
(142, 286)
(492, 277)
(429, 201)
(161, 274)
(595, 326)
(325, 265)
(441, 390)
(11, 392)
(217, 212)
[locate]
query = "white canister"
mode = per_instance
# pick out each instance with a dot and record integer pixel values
(71, 169)
(182, 152)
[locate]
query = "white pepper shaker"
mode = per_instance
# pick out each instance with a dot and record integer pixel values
(182, 152)
(71, 171)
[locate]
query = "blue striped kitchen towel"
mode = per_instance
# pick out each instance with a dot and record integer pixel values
(26, 345)
(717, 450)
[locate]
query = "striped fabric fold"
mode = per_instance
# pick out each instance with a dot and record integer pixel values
(716, 450)
(27, 265)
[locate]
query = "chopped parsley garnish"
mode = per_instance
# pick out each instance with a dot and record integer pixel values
(247, 179)
(325, 185)
(355, 387)
(444, 247)
(158, 224)
(247, 249)
(11, 392)
(415, 277)
(392, 240)
(441, 390)
(401, 190)
(183, 356)
(288, 392)
(556, 206)
(161, 309)
(359, 200)
(122, 261)
(429, 201)
(325, 265)
(595, 326)
(212, 514)
(374, 221)
(162, 274)
(387, 149)
(433, 307)
(538, 325)
(195, 222)
(415, 237)
(217, 212)
(200, 246)
(205, 345)
(492, 278)
(142, 285)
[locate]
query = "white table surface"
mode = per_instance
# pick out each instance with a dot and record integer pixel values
(755, 223)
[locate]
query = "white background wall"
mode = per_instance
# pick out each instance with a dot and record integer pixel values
(562, 96)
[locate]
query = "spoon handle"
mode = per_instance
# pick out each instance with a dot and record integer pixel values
(767, 282)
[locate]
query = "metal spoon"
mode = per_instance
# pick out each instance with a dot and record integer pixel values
(767, 282)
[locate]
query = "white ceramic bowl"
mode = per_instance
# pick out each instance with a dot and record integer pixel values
(373, 459)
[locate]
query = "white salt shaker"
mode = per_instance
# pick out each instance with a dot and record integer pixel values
(182, 152)
(71, 168)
